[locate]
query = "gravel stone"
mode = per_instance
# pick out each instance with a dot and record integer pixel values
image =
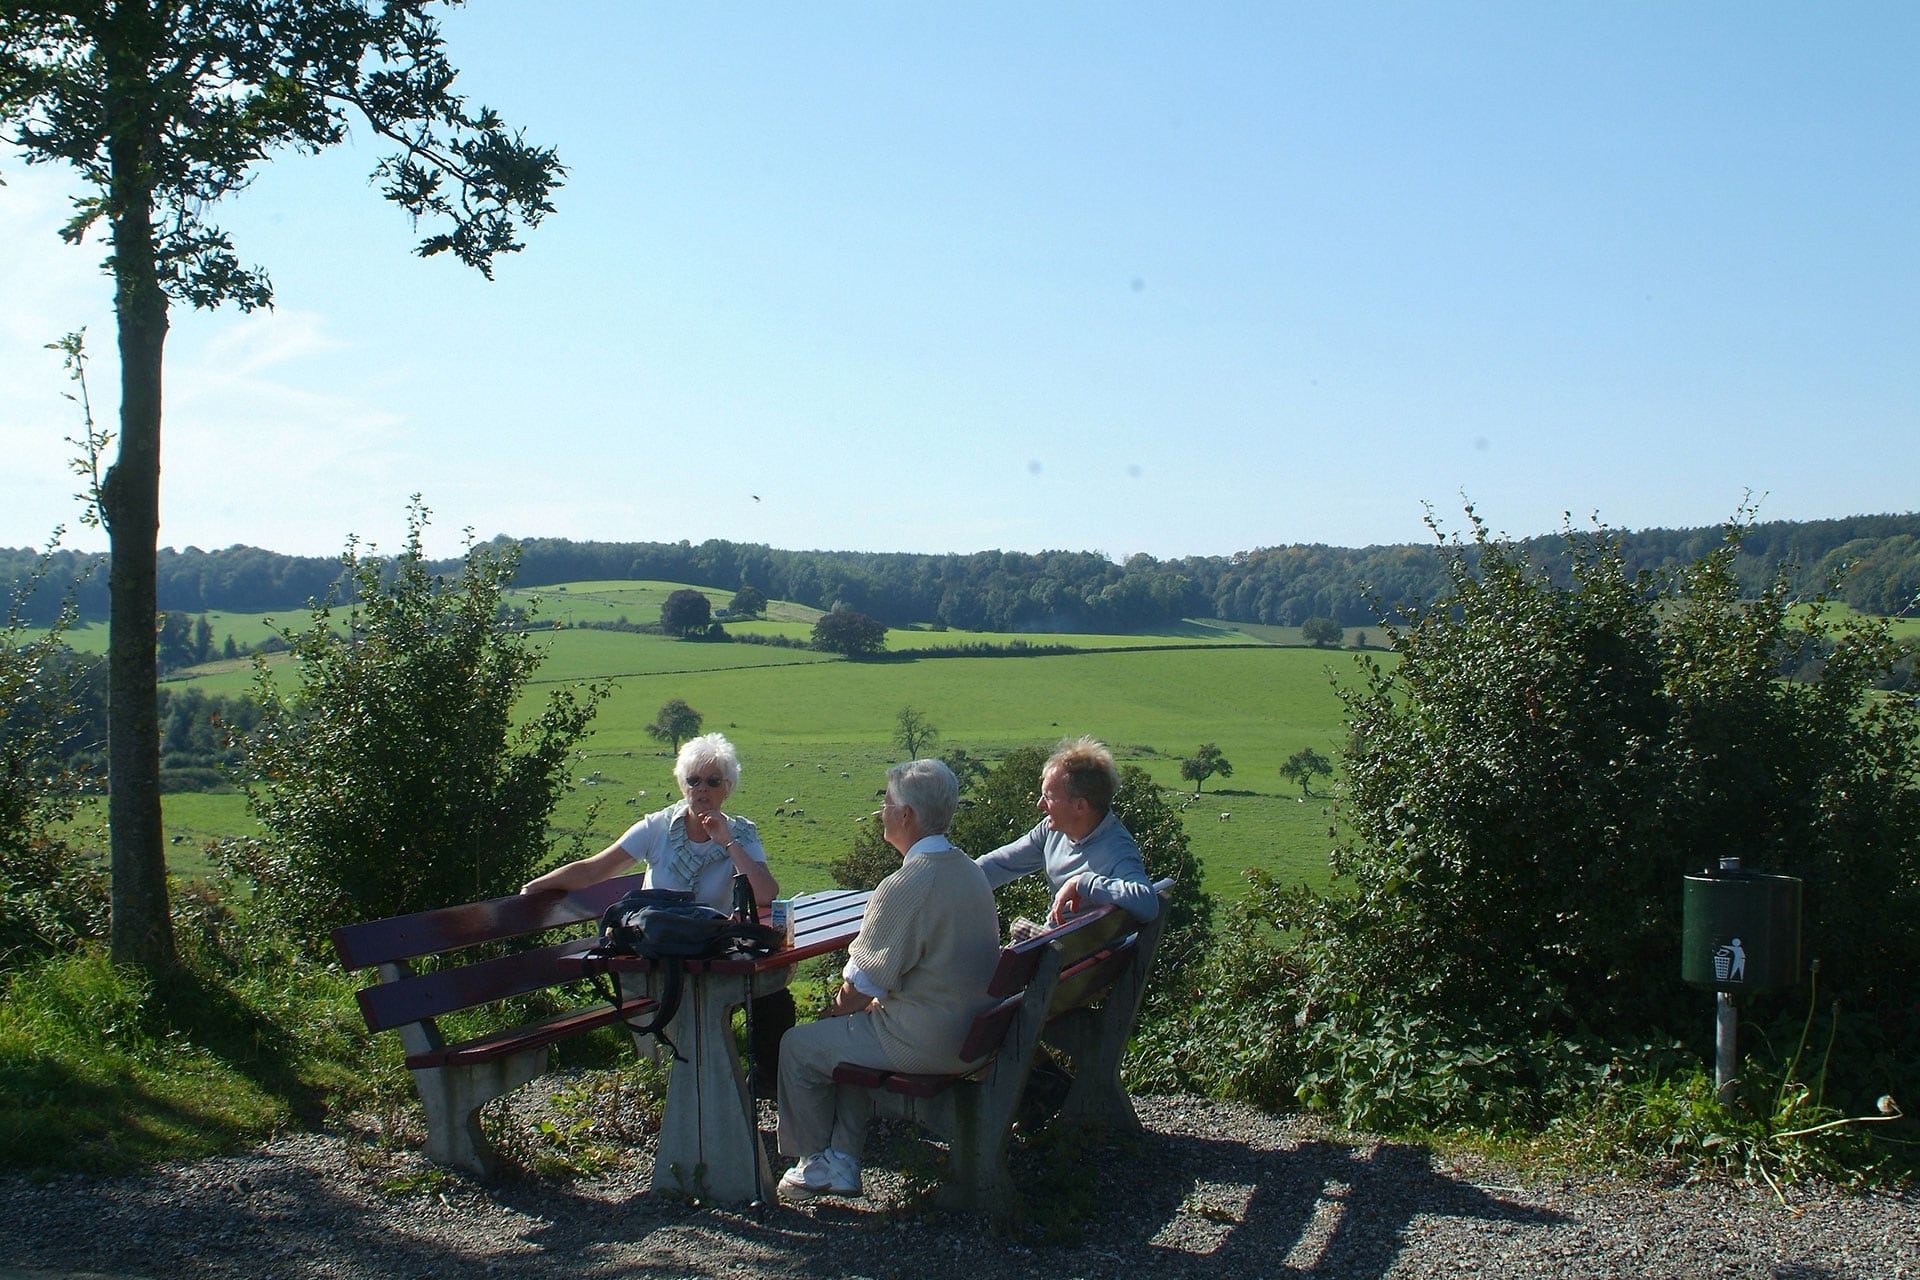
(1207, 1190)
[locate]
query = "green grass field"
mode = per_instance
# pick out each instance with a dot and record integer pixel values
(817, 739)
(815, 732)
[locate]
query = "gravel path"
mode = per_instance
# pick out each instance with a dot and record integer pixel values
(1209, 1190)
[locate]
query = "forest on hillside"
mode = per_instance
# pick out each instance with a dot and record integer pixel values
(1872, 563)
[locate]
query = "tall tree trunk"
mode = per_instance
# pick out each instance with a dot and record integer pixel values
(130, 503)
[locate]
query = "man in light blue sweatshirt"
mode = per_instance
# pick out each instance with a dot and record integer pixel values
(1089, 857)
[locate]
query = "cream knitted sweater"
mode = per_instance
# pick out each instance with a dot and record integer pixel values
(931, 940)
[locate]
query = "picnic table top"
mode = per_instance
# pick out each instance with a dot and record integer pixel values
(822, 922)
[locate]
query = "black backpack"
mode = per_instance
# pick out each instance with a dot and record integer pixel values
(668, 926)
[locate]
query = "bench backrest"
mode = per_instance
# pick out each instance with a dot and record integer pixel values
(409, 1001)
(426, 933)
(1095, 950)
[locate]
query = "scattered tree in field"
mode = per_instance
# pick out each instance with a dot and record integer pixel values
(161, 109)
(1322, 633)
(747, 602)
(394, 774)
(675, 724)
(686, 613)
(1204, 764)
(914, 734)
(851, 634)
(1303, 766)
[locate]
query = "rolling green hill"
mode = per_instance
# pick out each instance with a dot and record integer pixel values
(814, 731)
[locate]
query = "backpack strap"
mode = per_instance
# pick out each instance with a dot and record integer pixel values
(665, 1005)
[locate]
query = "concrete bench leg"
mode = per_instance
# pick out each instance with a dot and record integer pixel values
(979, 1178)
(1096, 1043)
(452, 1098)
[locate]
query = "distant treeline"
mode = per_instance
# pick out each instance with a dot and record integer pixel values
(1050, 591)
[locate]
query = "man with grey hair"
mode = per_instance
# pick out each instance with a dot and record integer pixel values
(916, 976)
(1089, 857)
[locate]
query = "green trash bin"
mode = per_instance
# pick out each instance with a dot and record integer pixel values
(1740, 930)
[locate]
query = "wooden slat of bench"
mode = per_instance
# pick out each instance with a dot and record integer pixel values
(548, 1030)
(386, 1005)
(914, 1085)
(426, 933)
(990, 1028)
(1091, 978)
(865, 1077)
(1080, 936)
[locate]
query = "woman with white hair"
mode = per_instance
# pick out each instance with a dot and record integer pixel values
(916, 976)
(695, 846)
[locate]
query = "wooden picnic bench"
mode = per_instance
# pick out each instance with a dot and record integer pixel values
(456, 1080)
(1077, 988)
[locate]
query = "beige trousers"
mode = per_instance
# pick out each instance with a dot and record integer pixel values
(815, 1113)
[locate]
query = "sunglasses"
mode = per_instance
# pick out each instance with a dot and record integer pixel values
(694, 780)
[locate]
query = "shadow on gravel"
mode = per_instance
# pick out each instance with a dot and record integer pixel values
(1318, 1209)
(1162, 1205)
(1168, 1206)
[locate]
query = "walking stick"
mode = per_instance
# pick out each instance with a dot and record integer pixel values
(743, 907)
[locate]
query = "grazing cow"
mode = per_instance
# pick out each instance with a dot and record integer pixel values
(1226, 817)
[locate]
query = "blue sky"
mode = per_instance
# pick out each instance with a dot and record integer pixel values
(1181, 278)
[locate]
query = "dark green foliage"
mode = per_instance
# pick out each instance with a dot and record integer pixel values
(199, 730)
(1526, 790)
(1058, 591)
(1224, 1023)
(1322, 633)
(999, 807)
(869, 861)
(1303, 766)
(183, 641)
(395, 776)
(50, 897)
(1205, 763)
(747, 602)
(675, 723)
(850, 634)
(686, 613)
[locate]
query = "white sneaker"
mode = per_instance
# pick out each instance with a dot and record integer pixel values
(843, 1173)
(827, 1172)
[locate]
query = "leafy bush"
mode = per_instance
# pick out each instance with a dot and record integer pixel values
(1526, 790)
(1225, 1019)
(394, 777)
(50, 896)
